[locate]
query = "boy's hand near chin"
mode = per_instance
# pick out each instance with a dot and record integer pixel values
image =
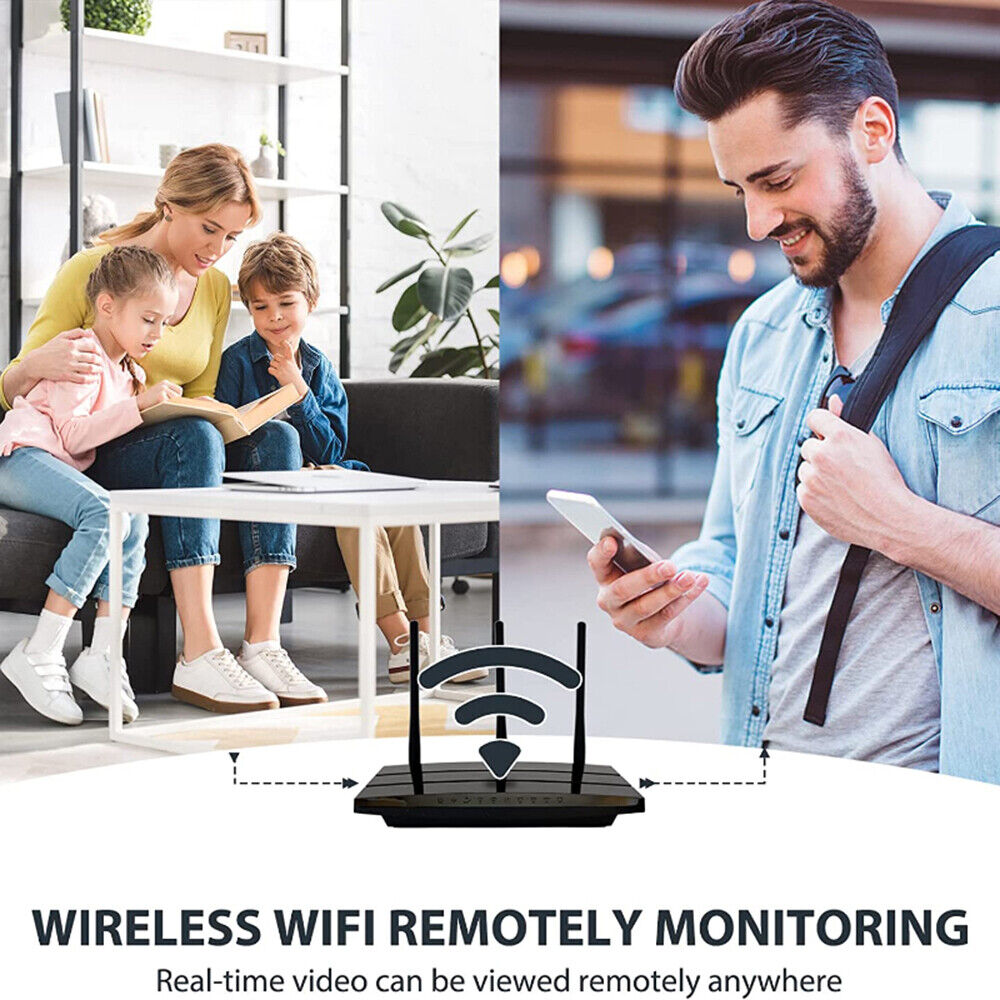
(284, 368)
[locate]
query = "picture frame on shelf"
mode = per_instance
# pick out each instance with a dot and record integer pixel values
(247, 41)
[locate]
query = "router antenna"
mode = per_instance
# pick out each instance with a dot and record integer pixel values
(501, 687)
(416, 770)
(579, 723)
(501, 680)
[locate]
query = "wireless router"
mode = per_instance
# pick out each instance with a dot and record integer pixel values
(507, 793)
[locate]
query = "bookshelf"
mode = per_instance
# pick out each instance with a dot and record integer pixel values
(89, 45)
(113, 48)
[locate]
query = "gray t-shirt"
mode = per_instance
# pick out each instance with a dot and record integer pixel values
(885, 704)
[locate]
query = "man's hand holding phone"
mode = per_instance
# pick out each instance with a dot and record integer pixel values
(647, 604)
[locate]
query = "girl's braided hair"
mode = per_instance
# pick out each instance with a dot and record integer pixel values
(127, 271)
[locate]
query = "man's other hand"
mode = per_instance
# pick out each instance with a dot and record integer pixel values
(848, 483)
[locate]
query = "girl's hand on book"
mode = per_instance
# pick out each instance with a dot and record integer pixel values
(159, 393)
(285, 370)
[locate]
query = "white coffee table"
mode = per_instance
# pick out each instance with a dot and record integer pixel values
(433, 504)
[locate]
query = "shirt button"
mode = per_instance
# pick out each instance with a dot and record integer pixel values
(755, 710)
(768, 622)
(956, 421)
(826, 357)
(783, 534)
(935, 608)
(741, 423)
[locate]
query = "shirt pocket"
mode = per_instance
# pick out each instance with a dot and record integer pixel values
(963, 423)
(752, 419)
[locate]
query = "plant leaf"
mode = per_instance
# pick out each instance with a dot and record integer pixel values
(471, 247)
(460, 226)
(445, 291)
(447, 361)
(494, 282)
(389, 282)
(404, 220)
(495, 313)
(408, 345)
(408, 312)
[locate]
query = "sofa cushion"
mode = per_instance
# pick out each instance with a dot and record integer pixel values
(29, 547)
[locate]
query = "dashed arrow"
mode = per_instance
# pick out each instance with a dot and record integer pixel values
(764, 758)
(343, 783)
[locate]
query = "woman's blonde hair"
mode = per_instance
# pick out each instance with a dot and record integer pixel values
(198, 180)
(127, 271)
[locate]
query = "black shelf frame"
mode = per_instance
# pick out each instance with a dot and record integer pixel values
(15, 221)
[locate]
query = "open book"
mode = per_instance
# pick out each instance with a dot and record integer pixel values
(233, 422)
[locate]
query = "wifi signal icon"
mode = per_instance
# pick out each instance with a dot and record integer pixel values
(500, 755)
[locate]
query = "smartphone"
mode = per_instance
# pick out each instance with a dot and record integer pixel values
(595, 523)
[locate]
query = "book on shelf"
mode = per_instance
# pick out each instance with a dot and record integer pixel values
(233, 422)
(102, 127)
(95, 139)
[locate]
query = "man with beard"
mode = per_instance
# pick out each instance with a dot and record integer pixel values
(802, 114)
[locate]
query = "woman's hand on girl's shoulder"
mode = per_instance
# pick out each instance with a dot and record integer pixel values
(70, 356)
(158, 393)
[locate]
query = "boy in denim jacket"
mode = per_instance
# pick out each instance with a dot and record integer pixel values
(279, 285)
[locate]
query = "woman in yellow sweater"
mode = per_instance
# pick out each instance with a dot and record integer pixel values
(205, 200)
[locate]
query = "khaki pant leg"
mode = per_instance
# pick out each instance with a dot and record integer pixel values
(388, 596)
(411, 567)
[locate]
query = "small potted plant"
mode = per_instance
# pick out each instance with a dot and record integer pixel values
(439, 300)
(266, 164)
(131, 17)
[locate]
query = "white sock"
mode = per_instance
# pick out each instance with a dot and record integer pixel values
(50, 633)
(253, 648)
(104, 634)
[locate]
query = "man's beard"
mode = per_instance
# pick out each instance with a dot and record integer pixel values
(845, 236)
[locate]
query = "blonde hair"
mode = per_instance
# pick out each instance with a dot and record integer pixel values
(125, 272)
(281, 264)
(197, 180)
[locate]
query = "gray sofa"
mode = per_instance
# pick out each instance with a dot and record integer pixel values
(430, 428)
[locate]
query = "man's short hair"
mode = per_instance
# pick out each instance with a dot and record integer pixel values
(280, 264)
(823, 60)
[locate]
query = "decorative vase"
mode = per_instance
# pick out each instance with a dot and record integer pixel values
(266, 165)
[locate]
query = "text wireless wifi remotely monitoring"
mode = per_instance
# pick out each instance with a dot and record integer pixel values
(503, 792)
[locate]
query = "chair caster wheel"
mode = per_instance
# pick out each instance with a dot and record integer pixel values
(460, 586)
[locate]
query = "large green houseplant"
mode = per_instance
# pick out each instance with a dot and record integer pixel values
(440, 299)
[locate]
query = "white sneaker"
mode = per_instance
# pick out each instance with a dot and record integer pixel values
(91, 673)
(43, 682)
(215, 681)
(274, 669)
(399, 661)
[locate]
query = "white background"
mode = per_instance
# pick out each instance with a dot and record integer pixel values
(823, 833)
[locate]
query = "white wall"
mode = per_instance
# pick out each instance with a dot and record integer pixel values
(426, 134)
(423, 94)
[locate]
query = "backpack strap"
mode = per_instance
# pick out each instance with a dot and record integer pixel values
(931, 285)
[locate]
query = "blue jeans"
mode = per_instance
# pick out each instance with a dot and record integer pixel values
(274, 445)
(35, 481)
(187, 454)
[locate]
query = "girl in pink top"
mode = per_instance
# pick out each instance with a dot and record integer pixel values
(46, 442)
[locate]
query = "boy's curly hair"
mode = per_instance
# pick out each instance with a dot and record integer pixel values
(281, 264)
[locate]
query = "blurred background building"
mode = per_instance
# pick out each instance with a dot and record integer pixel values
(625, 263)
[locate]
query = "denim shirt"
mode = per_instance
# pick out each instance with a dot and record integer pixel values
(941, 424)
(320, 417)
